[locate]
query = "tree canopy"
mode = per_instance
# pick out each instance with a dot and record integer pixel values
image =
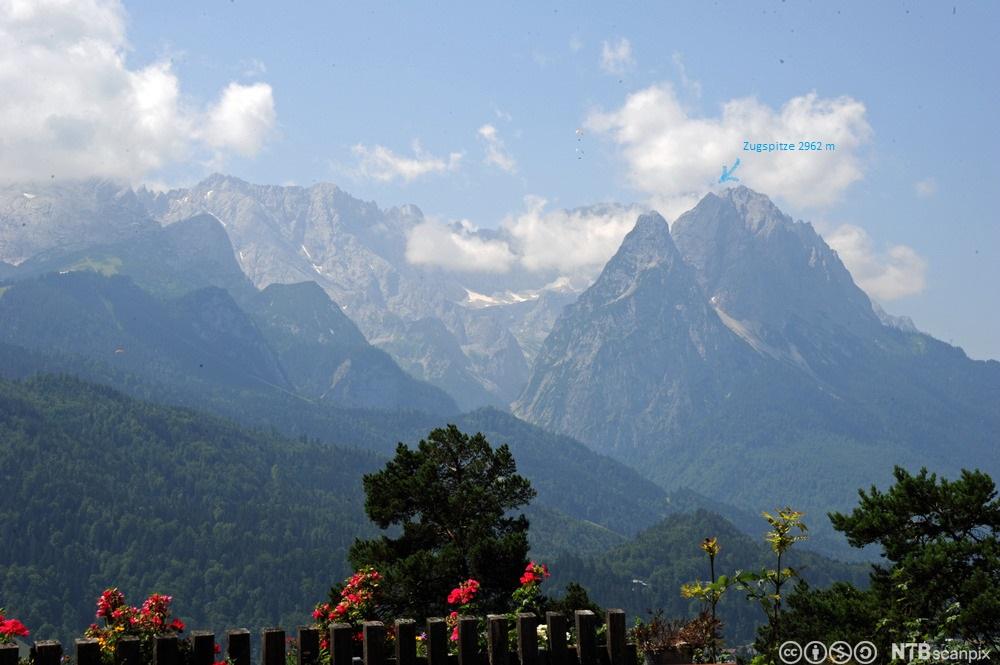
(451, 502)
(941, 540)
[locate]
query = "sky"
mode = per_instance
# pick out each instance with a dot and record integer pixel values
(492, 116)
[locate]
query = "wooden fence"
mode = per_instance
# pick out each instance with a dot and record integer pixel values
(614, 651)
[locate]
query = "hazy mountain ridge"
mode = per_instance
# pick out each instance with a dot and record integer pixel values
(39, 217)
(735, 348)
(357, 253)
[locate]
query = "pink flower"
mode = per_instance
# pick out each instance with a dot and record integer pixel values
(13, 628)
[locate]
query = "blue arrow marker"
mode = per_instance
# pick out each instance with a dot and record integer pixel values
(727, 174)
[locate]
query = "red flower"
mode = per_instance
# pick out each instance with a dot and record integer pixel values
(217, 649)
(464, 593)
(109, 600)
(13, 628)
(177, 625)
(454, 634)
(534, 572)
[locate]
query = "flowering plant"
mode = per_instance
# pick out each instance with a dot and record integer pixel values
(464, 596)
(528, 597)
(152, 618)
(357, 603)
(11, 628)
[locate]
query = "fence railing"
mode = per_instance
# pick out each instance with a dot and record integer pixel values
(615, 650)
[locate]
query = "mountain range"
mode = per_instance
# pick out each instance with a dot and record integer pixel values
(732, 353)
(729, 353)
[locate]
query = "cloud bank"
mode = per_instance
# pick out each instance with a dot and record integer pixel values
(571, 243)
(897, 272)
(73, 107)
(381, 163)
(675, 156)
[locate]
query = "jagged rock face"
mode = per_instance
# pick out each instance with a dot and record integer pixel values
(356, 252)
(773, 280)
(734, 349)
(41, 217)
(641, 350)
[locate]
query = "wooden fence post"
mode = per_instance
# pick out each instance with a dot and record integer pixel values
(437, 642)
(202, 647)
(272, 646)
(468, 641)
(165, 651)
(374, 638)
(586, 637)
(127, 651)
(9, 654)
(342, 644)
(308, 645)
(406, 642)
(617, 654)
(48, 652)
(527, 638)
(88, 652)
(238, 647)
(496, 639)
(556, 625)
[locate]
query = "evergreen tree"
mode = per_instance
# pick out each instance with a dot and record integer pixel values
(452, 499)
(943, 540)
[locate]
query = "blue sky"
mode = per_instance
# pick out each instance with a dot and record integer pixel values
(466, 109)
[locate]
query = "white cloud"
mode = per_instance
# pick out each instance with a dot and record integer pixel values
(676, 157)
(242, 119)
(381, 163)
(617, 58)
(72, 105)
(567, 241)
(926, 188)
(898, 271)
(571, 243)
(457, 246)
(496, 152)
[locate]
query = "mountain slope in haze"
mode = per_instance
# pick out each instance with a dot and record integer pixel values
(743, 353)
(472, 333)
(191, 254)
(326, 357)
(37, 218)
(166, 261)
(574, 484)
(243, 528)
(356, 252)
(202, 333)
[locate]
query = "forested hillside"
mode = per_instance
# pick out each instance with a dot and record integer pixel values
(646, 572)
(242, 527)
